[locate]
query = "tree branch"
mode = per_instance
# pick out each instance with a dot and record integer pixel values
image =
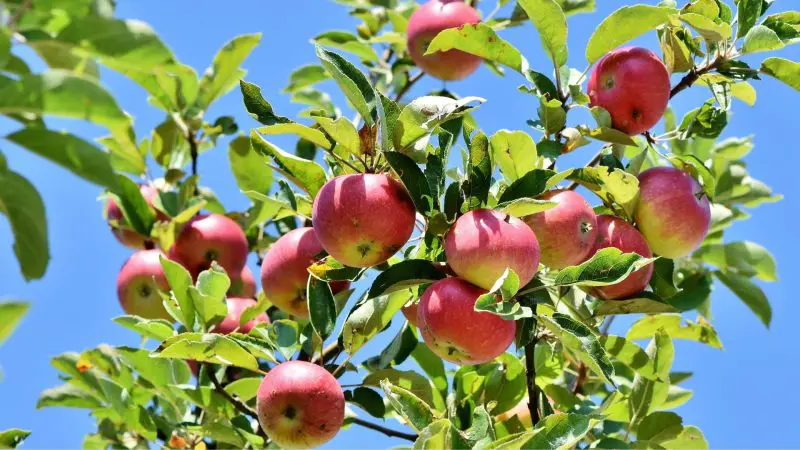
(411, 81)
(387, 431)
(530, 373)
(690, 78)
(244, 409)
(331, 349)
(193, 150)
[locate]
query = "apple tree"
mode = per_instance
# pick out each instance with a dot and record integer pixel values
(503, 266)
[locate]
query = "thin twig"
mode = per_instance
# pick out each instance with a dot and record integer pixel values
(326, 352)
(530, 373)
(593, 162)
(221, 391)
(387, 431)
(606, 325)
(689, 79)
(12, 22)
(411, 81)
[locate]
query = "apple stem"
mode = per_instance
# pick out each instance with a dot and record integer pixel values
(387, 431)
(530, 373)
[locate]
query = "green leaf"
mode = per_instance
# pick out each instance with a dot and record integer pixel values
(580, 339)
(423, 115)
(747, 12)
(708, 121)
(786, 25)
(22, 205)
(480, 40)
(403, 275)
(257, 107)
(137, 212)
(321, 307)
(559, 431)
(646, 395)
(397, 351)
(342, 132)
(506, 288)
(517, 441)
(10, 315)
(743, 257)
(552, 115)
(159, 330)
(761, 39)
(305, 76)
(435, 436)
(749, 293)
(347, 42)
(782, 69)
(211, 348)
(551, 23)
(645, 304)
(414, 181)
(351, 81)
(623, 25)
(13, 437)
(433, 366)
(710, 30)
(67, 396)
(691, 438)
(407, 379)
(285, 336)
(224, 71)
(179, 281)
(693, 165)
(368, 400)
(369, 318)
(306, 174)
(530, 185)
(249, 166)
(613, 186)
(522, 207)
(244, 388)
(209, 295)
(514, 152)
(629, 354)
(607, 266)
(659, 426)
(700, 331)
(501, 381)
(611, 135)
(329, 269)
(409, 406)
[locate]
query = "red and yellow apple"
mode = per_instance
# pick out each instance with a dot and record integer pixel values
(483, 243)
(284, 271)
(363, 219)
(300, 405)
(615, 232)
(410, 312)
(425, 23)
(566, 232)
(632, 84)
(209, 238)
(236, 306)
(673, 212)
(453, 329)
(140, 283)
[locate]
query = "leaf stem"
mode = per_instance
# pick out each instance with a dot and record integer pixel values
(387, 431)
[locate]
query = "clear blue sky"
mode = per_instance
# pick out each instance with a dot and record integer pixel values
(744, 395)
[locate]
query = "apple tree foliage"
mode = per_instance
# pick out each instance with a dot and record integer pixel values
(589, 388)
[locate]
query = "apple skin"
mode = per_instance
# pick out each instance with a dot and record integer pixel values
(453, 329)
(425, 23)
(482, 243)
(363, 219)
(410, 312)
(139, 283)
(300, 405)
(284, 271)
(669, 214)
(127, 236)
(615, 232)
(244, 285)
(633, 85)
(236, 306)
(211, 237)
(566, 232)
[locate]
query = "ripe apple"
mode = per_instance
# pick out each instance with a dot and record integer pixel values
(425, 23)
(244, 285)
(567, 231)
(139, 284)
(454, 330)
(673, 212)
(208, 238)
(632, 84)
(236, 306)
(125, 235)
(284, 272)
(410, 311)
(300, 405)
(615, 232)
(483, 243)
(363, 219)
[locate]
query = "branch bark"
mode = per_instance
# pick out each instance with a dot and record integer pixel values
(530, 373)
(244, 409)
(387, 431)
(411, 81)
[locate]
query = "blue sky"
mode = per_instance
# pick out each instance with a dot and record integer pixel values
(743, 395)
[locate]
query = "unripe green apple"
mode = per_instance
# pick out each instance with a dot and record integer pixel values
(300, 405)
(632, 84)
(363, 219)
(453, 329)
(566, 232)
(483, 243)
(425, 23)
(615, 232)
(140, 283)
(673, 211)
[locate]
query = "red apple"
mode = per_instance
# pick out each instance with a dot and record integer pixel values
(673, 212)
(567, 231)
(425, 23)
(284, 272)
(454, 330)
(363, 219)
(244, 285)
(615, 232)
(300, 405)
(139, 284)
(236, 306)
(632, 84)
(410, 311)
(483, 243)
(125, 235)
(208, 238)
